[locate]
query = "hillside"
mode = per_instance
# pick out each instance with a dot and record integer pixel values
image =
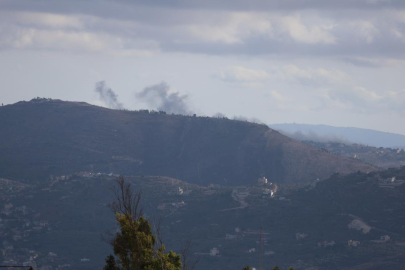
(345, 222)
(52, 137)
(324, 133)
(381, 157)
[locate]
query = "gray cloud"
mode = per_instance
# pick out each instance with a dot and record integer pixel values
(108, 96)
(345, 29)
(68, 6)
(160, 98)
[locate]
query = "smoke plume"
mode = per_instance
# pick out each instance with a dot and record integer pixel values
(159, 97)
(312, 136)
(108, 96)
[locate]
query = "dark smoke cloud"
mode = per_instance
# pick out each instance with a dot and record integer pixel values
(108, 96)
(158, 97)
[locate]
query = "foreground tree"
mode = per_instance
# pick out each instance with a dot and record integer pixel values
(135, 246)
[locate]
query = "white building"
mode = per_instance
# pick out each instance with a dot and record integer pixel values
(267, 191)
(180, 191)
(352, 243)
(262, 180)
(214, 251)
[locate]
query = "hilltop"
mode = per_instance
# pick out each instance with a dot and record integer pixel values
(46, 137)
(325, 133)
(381, 157)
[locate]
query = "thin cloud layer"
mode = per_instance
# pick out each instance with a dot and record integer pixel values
(141, 28)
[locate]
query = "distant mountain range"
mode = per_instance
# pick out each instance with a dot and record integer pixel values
(51, 137)
(323, 133)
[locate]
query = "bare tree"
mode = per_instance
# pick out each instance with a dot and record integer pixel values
(185, 257)
(126, 201)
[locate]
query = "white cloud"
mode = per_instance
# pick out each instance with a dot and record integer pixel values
(309, 75)
(365, 29)
(277, 95)
(300, 32)
(242, 74)
(43, 31)
(228, 28)
(365, 100)
(47, 20)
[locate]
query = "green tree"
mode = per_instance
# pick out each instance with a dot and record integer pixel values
(246, 268)
(110, 263)
(135, 246)
(276, 268)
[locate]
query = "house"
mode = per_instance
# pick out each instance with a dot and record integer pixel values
(262, 180)
(299, 236)
(179, 204)
(214, 251)
(230, 236)
(326, 244)
(180, 191)
(352, 243)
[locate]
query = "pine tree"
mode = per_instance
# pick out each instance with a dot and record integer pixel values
(135, 245)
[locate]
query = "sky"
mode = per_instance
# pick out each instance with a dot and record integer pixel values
(339, 63)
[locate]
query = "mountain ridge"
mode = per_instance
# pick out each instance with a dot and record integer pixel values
(325, 133)
(45, 137)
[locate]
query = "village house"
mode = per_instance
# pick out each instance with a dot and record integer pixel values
(352, 243)
(262, 180)
(299, 236)
(231, 236)
(214, 251)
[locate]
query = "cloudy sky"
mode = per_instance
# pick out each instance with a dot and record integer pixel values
(334, 62)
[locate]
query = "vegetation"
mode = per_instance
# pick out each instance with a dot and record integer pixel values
(135, 245)
(69, 137)
(378, 156)
(79, 213)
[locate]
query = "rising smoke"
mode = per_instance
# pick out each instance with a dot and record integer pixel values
(108, 96)
(312, 136)
(159, 97)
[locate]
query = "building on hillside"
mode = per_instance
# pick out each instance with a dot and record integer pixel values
(326, 244)
(214, 251)
(352, 243)
(178, 204)
(230, 236)
(262, 180)
(299, 236)
(180, 191)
